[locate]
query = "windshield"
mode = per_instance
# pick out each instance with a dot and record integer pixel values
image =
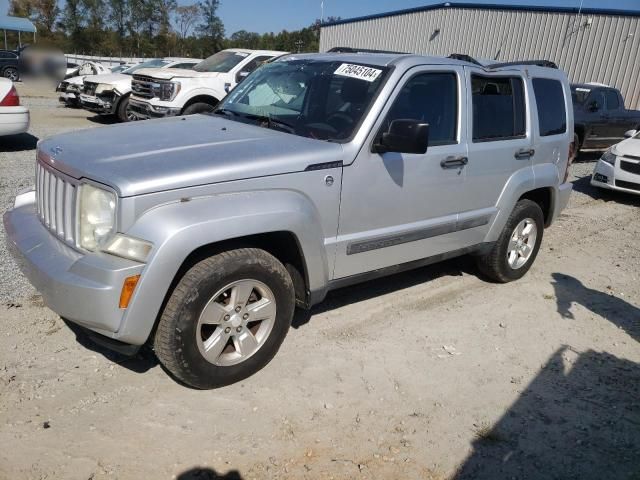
(119, 68)
(579, 94)
(221, 62)
(315, 99)
(155, 63)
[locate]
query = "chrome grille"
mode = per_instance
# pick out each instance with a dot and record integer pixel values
(56, 203)
(142, 86)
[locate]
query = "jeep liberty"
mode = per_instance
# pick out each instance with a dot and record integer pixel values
(199, 235)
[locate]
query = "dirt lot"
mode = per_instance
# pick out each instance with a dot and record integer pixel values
(431, 374)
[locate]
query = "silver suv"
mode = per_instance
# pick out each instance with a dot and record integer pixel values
(199, 235)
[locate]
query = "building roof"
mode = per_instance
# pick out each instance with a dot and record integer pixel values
(491, 6)
(17, 24)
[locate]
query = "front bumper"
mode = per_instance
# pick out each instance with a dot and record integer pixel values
(82, 288)
(146, 110)
(68, 98)
(613, 177)
(101, 105)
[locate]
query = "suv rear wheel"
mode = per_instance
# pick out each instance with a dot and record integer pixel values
(226, 318)
(517, 247)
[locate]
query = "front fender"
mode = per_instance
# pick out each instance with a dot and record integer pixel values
(178, 229)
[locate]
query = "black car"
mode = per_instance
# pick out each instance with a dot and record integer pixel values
(10, 64)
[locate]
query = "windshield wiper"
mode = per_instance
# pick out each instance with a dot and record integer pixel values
(225, 111)
(272, 122)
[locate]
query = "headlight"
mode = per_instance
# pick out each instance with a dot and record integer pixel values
(103, 87)
(166, 91)
(97, 214)
(609, 157)
(128, 247)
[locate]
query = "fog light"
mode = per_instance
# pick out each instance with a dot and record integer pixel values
(598, 177)
(128, 287)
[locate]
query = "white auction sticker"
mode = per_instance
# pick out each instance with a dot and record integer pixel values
(358, 71)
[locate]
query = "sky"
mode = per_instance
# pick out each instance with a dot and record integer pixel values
(274, 15)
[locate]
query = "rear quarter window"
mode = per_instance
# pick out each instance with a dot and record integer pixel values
(552, 115)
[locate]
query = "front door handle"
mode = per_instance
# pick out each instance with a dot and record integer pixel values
(524, 154)
(454, 162)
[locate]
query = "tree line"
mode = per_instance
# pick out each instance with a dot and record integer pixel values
(148, 28)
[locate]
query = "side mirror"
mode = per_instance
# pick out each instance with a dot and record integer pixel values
(404, 136)
(594, 106)
(242, 74)
(630, 133)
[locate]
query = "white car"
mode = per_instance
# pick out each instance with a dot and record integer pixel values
(14, 118)
(109, 94)
(619, 167)
(87, 68)
(165, 93)
(71, 88)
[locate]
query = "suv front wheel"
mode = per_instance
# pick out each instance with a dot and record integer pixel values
(226, 318)
(517, 247)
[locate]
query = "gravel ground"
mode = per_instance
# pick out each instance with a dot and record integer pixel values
(431, 374)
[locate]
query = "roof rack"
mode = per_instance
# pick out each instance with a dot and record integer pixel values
(538, 63)
(464, 58)
(359, 50)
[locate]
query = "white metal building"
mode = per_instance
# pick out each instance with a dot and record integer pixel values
(591, 45)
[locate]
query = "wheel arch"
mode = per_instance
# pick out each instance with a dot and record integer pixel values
(282, 223)
(544, 198)
(208, 99)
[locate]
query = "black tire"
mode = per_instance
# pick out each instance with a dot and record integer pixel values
(198, 107)
(175, 342)
(123, 113)
(11, 73)
(494, 264)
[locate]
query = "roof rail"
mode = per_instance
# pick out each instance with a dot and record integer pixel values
(464, 58)
(358, 50)
(538, 63)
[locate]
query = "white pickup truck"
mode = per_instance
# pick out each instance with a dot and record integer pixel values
(164, 93)
(108, 94)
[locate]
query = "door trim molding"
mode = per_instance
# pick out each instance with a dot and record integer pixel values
(385, 241)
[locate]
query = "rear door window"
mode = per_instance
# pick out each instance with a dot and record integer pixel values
(499, 111)
(552, 115)
(613, 103)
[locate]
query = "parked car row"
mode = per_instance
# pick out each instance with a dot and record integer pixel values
(163, 87)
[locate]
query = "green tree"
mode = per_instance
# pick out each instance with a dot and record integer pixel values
(211, 27)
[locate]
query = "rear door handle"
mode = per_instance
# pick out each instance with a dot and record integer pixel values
(454, 162)
(524, 154)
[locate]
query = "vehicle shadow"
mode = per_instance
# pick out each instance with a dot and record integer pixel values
(18, 143)
(360, 292)
(206, 473)
(583, 185)
(570, 290)
(142, 362)
(588, 156)
(578, 419)
(104, 119)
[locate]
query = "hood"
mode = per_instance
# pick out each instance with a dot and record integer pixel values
(179, 152)
(628, 147)
(110, 78)
(169, 73)
(75, 80)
